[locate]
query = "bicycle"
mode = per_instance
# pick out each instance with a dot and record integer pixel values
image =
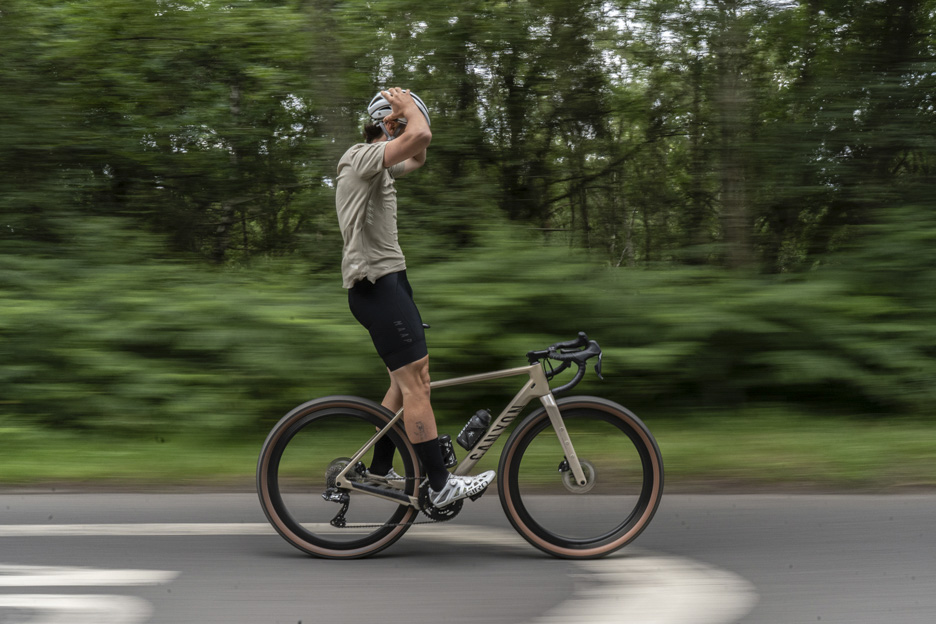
(571, 446)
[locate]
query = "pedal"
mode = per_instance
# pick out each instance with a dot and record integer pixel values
(475, 497)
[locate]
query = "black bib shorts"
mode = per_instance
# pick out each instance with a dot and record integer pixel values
(386, 309)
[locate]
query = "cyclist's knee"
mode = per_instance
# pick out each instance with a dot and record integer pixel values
(423, 372)
(413, 378)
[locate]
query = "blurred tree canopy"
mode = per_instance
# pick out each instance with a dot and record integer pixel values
(734, 194)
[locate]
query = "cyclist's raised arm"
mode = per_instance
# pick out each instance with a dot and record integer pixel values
(410, 147)
(411, 164)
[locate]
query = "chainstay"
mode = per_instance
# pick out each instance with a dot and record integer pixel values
(423, 497)
(398, 524)
(391, 524)
(423, 500)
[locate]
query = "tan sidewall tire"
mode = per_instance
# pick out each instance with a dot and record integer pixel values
(382, 416)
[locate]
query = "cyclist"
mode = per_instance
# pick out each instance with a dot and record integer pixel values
(374, 272)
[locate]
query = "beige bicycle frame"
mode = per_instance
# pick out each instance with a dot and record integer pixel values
(536, 387)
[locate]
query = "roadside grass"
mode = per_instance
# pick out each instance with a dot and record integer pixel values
(718, 453)
(798, 452)
(57, 459)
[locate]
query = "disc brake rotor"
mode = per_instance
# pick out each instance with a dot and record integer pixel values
(568, 479)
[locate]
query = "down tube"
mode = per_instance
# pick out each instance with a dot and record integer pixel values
(500, 424)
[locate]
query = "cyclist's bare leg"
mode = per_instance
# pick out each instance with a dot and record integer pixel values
(409, 388)
(419, 420)
(393, 400)
(413, 382)
(384, 449)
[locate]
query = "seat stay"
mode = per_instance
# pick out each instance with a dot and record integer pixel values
(367, 446)
(343, 482)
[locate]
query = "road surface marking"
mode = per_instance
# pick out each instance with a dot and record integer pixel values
(46, 576)
(79, 608)
(653, 589)
(87, 609)
(633, 586)
(630, 586)
(133, 530)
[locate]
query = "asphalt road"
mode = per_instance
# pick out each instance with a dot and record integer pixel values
(131, 558)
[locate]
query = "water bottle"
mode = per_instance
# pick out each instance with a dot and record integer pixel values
(474, 429)
(448, 451)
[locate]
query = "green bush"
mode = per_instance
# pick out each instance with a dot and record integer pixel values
(107, 334)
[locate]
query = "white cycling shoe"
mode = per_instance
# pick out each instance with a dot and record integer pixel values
(458, 487)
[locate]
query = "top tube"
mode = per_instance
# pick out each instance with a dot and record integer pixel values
(534, 371)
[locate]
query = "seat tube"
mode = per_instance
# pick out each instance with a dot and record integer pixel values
(552, 410)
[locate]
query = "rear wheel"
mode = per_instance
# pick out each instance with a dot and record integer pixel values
(299, 462)
(623, 470)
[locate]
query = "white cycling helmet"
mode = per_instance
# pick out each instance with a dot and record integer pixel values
(379, 108)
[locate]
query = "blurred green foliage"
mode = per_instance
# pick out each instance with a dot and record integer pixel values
(125, 339)
(741, 133)
(734, 197)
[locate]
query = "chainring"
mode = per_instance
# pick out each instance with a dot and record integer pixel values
(437, 514)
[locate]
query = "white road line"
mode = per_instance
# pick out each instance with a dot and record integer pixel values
(654, 590)
(482, 535)
(133, 530)
(490, 536)
(86, 609)
(46, 576)
(633, 586)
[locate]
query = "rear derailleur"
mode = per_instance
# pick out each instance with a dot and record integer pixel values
(335, 494)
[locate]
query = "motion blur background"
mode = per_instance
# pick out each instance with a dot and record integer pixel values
(734, 197)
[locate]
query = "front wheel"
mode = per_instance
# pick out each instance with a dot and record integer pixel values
(299, 462)
(624, 479)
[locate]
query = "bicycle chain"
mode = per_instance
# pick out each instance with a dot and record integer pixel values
(445, 514)
(390, 524)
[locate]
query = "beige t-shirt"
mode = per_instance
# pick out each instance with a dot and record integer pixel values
(365, 200)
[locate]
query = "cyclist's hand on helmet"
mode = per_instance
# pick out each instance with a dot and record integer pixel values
(401, 103)
(381, 108)
(408, 147)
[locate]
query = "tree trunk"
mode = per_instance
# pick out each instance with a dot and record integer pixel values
(223, 233)
(731, 99)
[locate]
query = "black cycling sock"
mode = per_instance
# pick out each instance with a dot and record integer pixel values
(430, 453)
(382, 461)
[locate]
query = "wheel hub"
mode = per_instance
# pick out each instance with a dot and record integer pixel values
(334, 469)
(568, 479)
